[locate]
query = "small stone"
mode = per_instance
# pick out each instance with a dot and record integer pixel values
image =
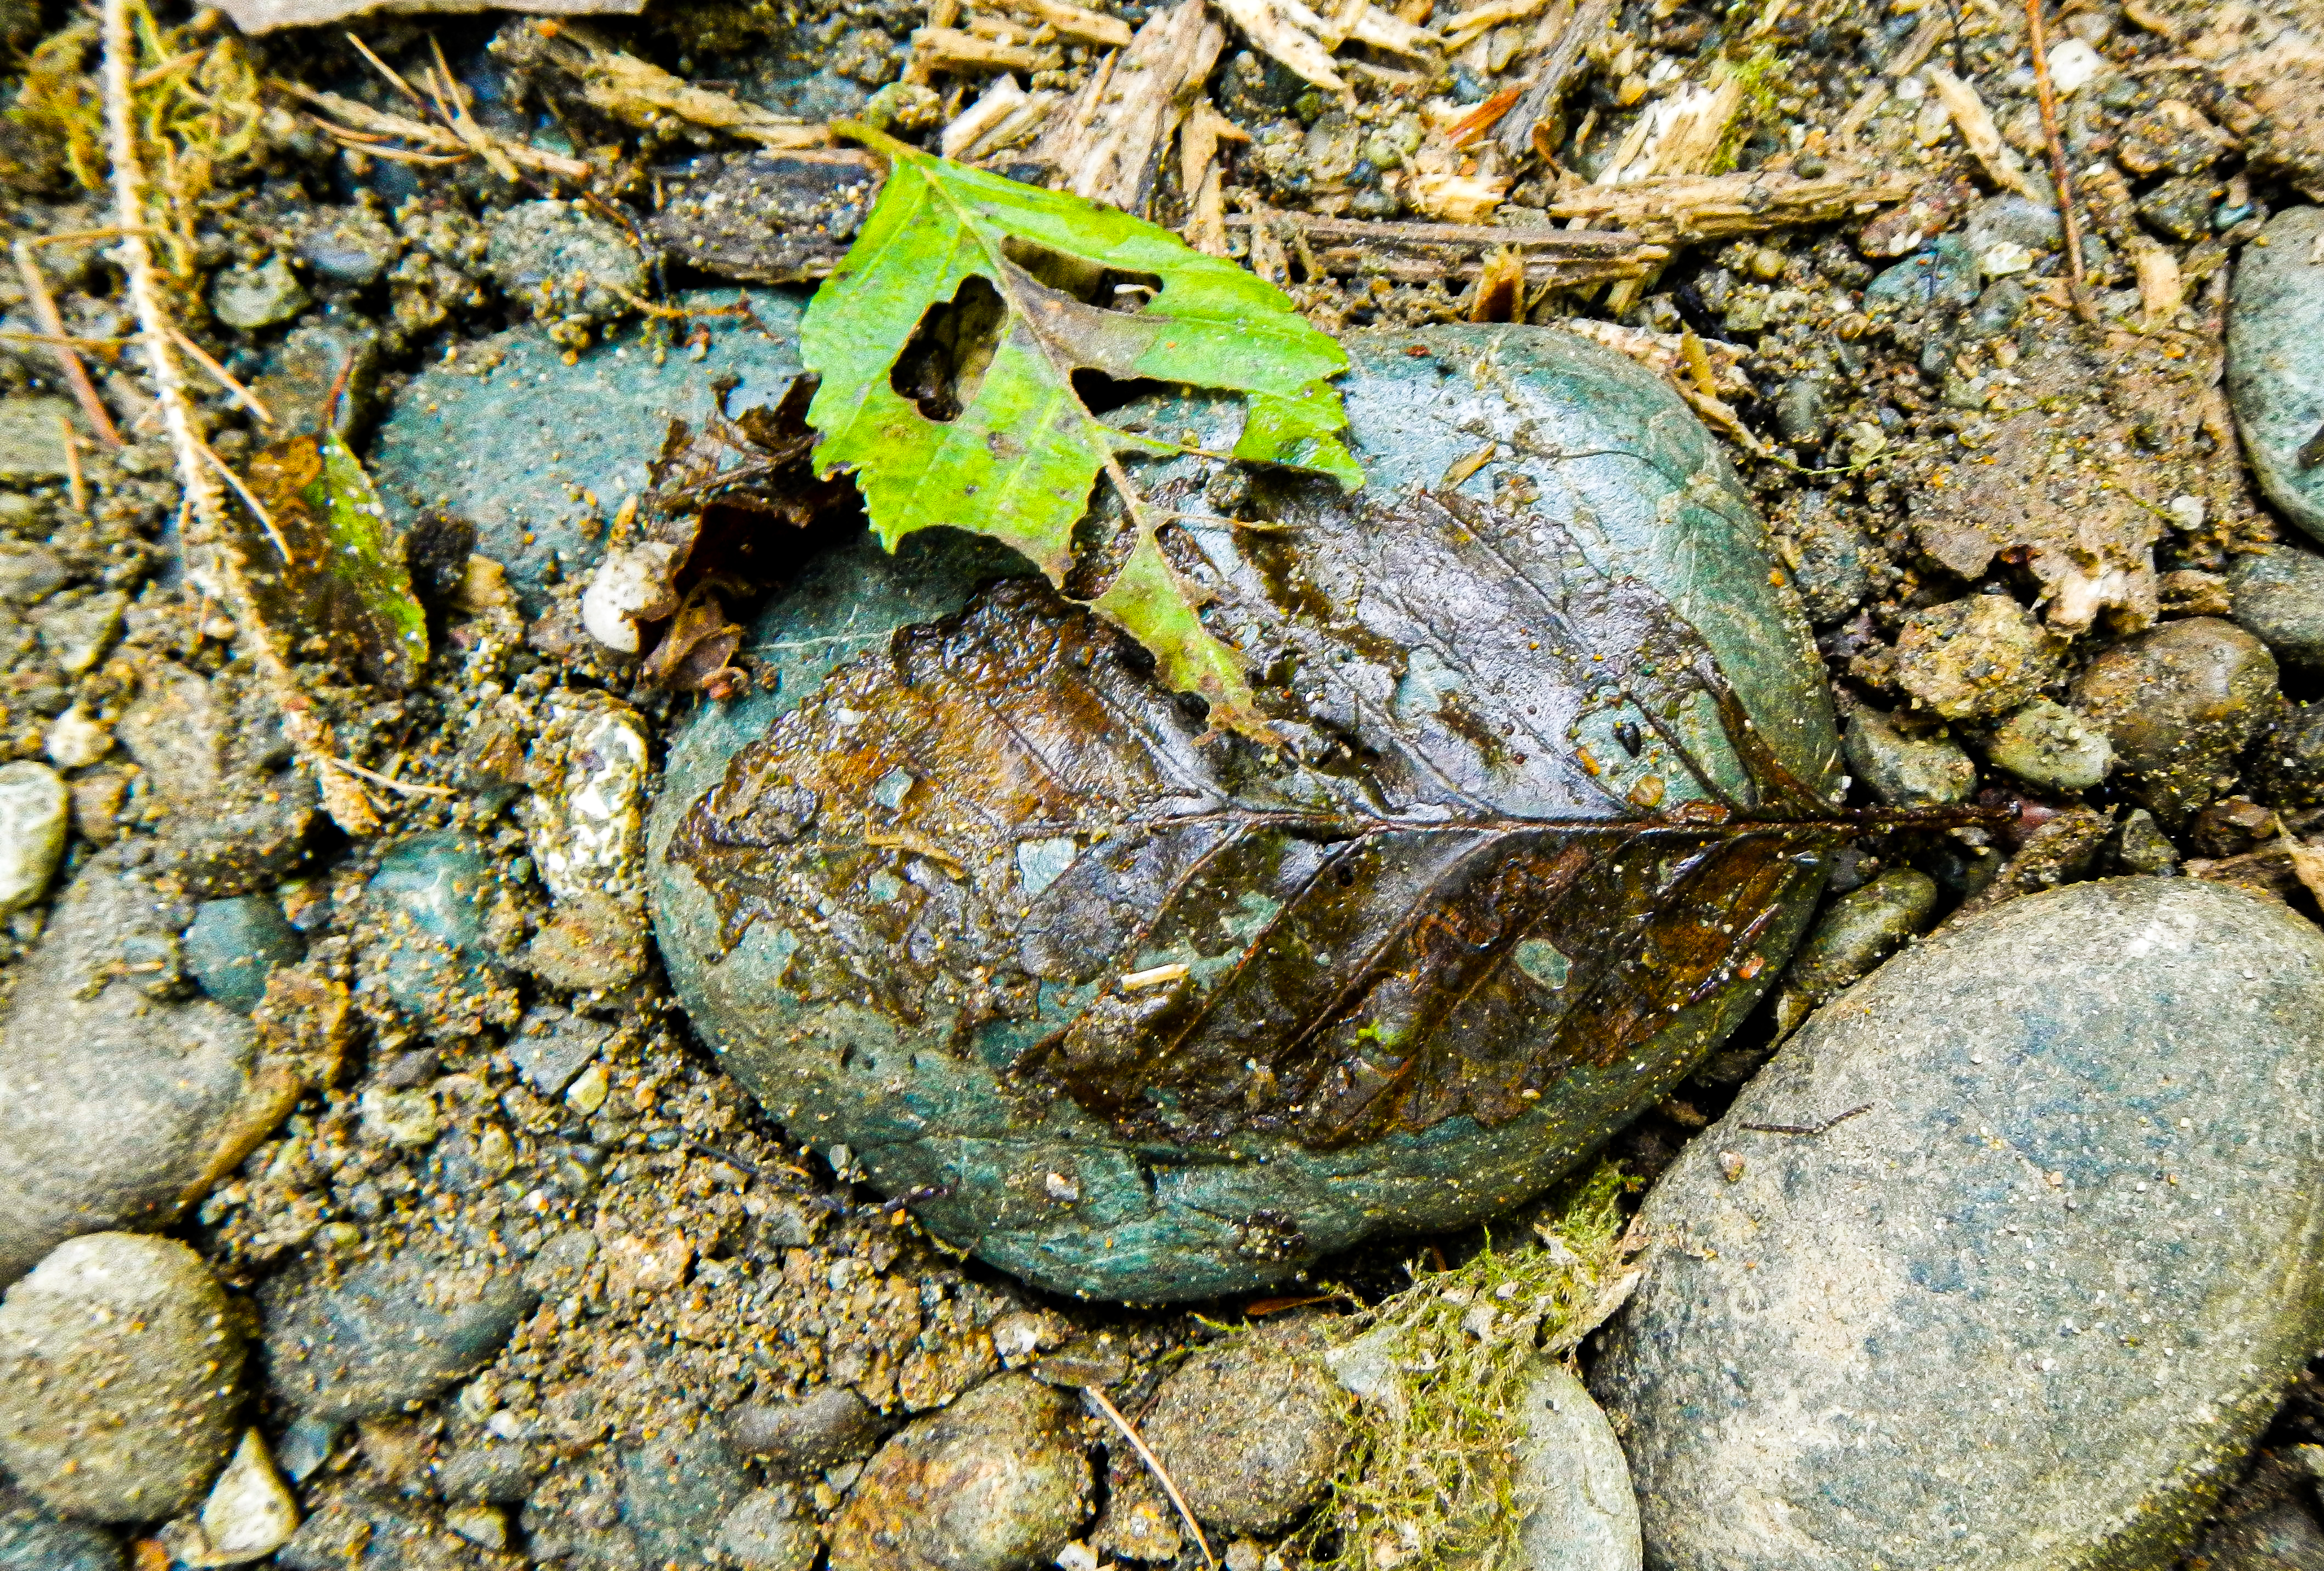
(2016, 1262)
(249, 1514)
(1999, 307)
(217, 767)
(337, 355)
(33, 435)
(1826, 556)
(436, 895)
(1906, 771)
(676, 1490)
(1855, 934)
(2278, 598)
(561, 259)
(557, 1271)
(32, 1539)
(120, 1361)
(2290, 767)
(1801, 410)
(2045, 744)
(401, 1328)
(2179, 701)
(117, 1105)
(234, 945)
(36, 810)
(349, 246)
(1982, 655)
(307, 1445)
(1251, 1428)
(77, 631)
(548, 1053)
(1571, 1488)
(997, 1481)
(2141, 847)
(825, 1427)
(251, 297)
(2275, 361)
(406, 1120)
(76, 739)
(485, 1526)
(586, 1094)
(29, 574)
(488, 1472)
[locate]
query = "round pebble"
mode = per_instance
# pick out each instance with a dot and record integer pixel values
(1903, 770)
(2026, 1308)
(2178, 702)
(120, 1360)
(1983, 655)
(2047, 745)
(397, 1329)
(1251, 1430)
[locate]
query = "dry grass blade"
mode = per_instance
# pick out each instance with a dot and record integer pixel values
(224, 379)
(2046, 91)
(52, 329)
(637, 93)
(459, 137)
(1691, 208)
(1975, 122)
(1153, 1466)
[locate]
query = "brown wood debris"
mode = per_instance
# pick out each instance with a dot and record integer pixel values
(1108, 143)
(1668, 209)
(639, 94)
(1303, 41)
(953, 49)
(1533, 125)
(1425, 253)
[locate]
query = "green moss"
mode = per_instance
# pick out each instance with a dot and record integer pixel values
(1429, 1480)
(1761, 77)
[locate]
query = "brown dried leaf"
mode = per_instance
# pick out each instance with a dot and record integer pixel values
(1325, 951)
(695, 651)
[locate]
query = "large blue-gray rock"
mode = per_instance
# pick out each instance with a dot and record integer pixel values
(2275, 361)
(397, 1329)
(539, 455)
(1136, 1012)
(2028, 1307)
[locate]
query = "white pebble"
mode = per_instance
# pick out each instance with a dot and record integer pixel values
(33, 810)
(2005, 257)
(2072, 64)
(628, 584)
(249, 1514)
(76, 738)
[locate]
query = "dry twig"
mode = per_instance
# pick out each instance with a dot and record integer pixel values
(52, 328)
(1153, 1466)
(205, 501)
(2061, 176)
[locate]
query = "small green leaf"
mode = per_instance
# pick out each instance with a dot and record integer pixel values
(326, 563)
(1021, 451)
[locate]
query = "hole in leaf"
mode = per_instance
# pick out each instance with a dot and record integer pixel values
(1101, 394)
(1091, 282)
(944, 363)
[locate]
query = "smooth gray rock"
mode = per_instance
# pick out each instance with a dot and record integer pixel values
(397, 1329)
(115, 1105)
(1006, 1462)
(1577, 1512)
(487, 1472)
(2045, 744)
(33, 1539)
(539, 455)
(34, 811)
(823, 1427)
(2025, 1311)
(120, 1365)
(2178, 702)
(2275, 361)
(235, 944)
(350, 246)
(562, 260)
(1906, 771)
(434, 896)
(1855, 934)
(2279, 599)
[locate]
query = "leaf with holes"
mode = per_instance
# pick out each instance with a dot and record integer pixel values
(949, 342)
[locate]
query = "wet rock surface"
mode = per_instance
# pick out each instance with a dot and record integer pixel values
(2055, 1275)
(2279, 599)
(120, 1365)
(1572, 1491)
(997, 1481)
(2045, 744)
(1072, 1199)
(467, 438)
(117, 1105)
(233, 946)
(2275, 363)
(1904, 769)
(2177, 704)
(34, 1538)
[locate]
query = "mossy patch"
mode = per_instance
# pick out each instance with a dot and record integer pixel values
(1430, 1478)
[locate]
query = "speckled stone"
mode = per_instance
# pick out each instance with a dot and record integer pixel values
(397, 1329)
(234, 945)
(2178, 702)
(926, 1111)
(2275, 361)
(120, 1364)
(2025, 1311)
(2279, 599)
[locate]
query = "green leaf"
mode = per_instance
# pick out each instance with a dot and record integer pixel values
(1018, 459)
(324, 563)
